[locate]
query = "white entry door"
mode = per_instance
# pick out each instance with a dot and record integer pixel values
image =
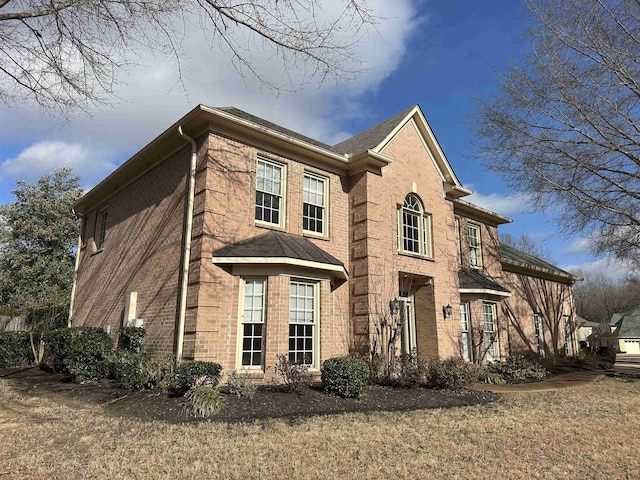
(409, 324)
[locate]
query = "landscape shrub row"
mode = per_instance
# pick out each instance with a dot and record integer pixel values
(15, 349)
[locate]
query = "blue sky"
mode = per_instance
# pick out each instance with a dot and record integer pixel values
(438, 54)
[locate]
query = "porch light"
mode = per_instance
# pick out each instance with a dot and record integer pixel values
(447, 312)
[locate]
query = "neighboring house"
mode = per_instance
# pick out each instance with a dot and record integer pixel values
(626, 327)
(586, 331)
(286, 245)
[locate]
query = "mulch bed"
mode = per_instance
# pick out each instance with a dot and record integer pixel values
(269, 402)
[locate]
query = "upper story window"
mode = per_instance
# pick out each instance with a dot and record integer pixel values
(314, 217)
(414, 227)
(102, 231)
(269, 192)
(475, 247)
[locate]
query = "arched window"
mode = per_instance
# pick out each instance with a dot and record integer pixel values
(414, 227)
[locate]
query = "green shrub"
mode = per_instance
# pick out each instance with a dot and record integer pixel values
(203, 400)
(130, 339)
(54, 348)
(452, 373)
(608, 355)
(129, 370)
(188, 373)
(345, 376)
(294, 377)
(241, 386)
(518, 369)
(15, 349)
(486, 376)
(87, 354)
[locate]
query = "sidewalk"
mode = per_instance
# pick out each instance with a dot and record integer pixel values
(558, 382)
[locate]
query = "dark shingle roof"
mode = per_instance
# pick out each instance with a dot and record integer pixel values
(278, 245)
(512, 255)
(473, 279)
(628, 323)
(236, 112)
(372, 137)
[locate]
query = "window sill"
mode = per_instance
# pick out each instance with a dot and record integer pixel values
(97, 252)
(270, 226)
(415, 255)
(317, 236)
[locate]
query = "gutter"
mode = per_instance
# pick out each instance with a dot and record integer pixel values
(75, 270)
(186, 248)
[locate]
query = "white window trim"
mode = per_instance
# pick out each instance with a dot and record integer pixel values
(480, 263)
(240, 330)
(465, 311)
(458, 240)
(315, 365)
(494, 315)
(538, 331)
(425, 225)
(325, 206)
(283, 193)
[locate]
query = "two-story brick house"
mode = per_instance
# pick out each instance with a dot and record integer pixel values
(236, 240)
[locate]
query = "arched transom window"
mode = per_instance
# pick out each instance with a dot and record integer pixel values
(414, 227)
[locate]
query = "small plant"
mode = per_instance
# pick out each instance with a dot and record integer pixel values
(188, 373)
(451, 374)
(345, 376)
(294, 377)
(130, 339)
(87, 354)
(15, 349)
(241, 386)
(518, 369)
(203, 399)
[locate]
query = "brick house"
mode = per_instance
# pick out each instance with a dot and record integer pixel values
(234, 240)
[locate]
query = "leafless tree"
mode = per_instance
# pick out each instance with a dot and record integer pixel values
(64, 54)
(564, 124)
(526, 244)
(598, 296)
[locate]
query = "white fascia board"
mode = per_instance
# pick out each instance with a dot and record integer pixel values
(484, 291)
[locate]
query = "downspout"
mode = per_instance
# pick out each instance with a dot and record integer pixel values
(186, 248)
(75, 269)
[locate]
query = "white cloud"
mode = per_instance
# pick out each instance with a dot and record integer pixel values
(579, 246)
(152, 100)
(45, 157)
(503, 204)
(609, 267)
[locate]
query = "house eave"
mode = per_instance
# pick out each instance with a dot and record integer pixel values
(470, 210)
(526, 269)
(337, 271)
(484, 291)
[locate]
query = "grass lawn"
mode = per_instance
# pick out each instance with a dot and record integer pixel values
(585, 432)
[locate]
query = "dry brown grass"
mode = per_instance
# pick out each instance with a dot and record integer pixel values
(586, 432)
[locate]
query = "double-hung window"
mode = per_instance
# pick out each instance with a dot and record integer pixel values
(303, 323)
(475, 247)
(465, 335)
(414, 227)
(269, 192)
(492, 348)
(314, 211)
(253, 323)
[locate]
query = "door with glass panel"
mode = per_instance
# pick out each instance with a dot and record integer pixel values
(408, 313)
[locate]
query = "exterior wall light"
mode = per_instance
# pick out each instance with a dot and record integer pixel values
(447, 312)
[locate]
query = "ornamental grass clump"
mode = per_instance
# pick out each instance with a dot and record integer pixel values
(345, 376)
(203, 400)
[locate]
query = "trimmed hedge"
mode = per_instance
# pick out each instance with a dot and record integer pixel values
(15, 349)
(54, 348)
(188, 373)
(87, 354)
(130, 339)
(345, 376)
(451, 373)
